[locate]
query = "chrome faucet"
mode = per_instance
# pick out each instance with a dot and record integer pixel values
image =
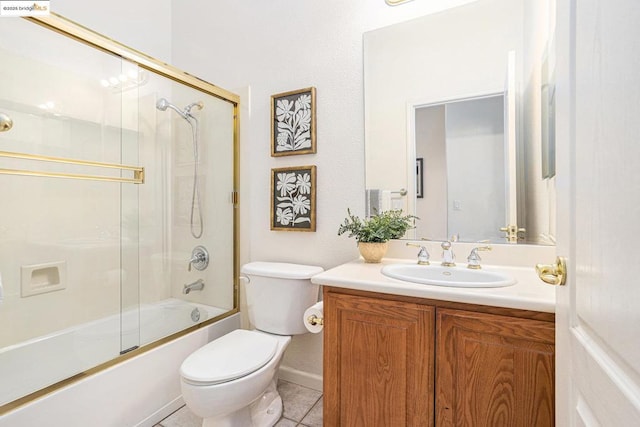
(198, 285)
(473, 260)
(448, 256)
(423, 255)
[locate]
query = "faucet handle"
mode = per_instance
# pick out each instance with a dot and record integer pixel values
(423, 254)
(473, 260)
(199, 258)
(448, 257)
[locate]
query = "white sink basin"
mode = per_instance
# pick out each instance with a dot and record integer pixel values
(460, 276)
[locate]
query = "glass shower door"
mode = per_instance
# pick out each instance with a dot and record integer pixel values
(69, 216)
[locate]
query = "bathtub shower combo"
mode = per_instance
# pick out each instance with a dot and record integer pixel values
(118, 226)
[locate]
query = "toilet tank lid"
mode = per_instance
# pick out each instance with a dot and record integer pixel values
(281, 270)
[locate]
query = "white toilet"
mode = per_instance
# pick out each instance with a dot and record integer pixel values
(231, 381)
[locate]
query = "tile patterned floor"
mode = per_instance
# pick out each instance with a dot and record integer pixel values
(302, 407)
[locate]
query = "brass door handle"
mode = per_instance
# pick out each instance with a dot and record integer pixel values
(553, 274)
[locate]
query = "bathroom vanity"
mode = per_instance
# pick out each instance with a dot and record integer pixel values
(400, 353)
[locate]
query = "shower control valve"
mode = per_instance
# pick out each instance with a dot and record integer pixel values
(199, 258)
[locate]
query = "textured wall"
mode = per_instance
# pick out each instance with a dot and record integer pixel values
(258, 48)
(144, 25)
(282, 45)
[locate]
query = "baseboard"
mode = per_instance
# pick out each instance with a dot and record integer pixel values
(162, 413)
(302, 378)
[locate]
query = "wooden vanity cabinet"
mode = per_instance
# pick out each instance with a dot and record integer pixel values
(403, 361)
(378, 362)
(493, 370)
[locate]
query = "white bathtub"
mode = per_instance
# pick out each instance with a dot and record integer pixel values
(37, 363)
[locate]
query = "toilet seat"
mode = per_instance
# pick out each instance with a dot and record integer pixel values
(232, 356)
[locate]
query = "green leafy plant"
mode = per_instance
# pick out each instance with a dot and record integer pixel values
(379, 228)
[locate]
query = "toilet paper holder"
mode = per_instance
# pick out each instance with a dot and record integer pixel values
(314, 320)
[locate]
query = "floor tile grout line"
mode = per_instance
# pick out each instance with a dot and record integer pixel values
(310, 409)
(297, 422)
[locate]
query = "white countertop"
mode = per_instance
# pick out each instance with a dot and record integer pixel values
(529, 293)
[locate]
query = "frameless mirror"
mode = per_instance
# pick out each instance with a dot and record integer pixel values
(454, 118)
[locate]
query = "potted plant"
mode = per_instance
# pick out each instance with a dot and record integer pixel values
(374, 233)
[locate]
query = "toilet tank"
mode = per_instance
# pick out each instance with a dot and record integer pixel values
(278, 294)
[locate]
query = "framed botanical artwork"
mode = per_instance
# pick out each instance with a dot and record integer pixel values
(293, 198)
(293, 122)
(419, 178)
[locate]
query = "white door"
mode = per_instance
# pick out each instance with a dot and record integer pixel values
(598, 137)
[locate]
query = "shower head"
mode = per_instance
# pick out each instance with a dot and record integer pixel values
(163, 104)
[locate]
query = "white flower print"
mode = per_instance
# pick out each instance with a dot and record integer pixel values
(282, 139)
(284, 216)
(304, 119)
(304, 102)
(292, 198)
(283, 109)
(301, 205)
(293, 127)
(286, 183)
(303, 183)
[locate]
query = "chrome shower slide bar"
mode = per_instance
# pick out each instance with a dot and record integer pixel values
(138, 172)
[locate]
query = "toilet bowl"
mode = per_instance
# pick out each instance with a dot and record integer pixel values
(231, 382)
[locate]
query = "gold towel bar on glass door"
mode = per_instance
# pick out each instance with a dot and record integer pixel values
(138, 172)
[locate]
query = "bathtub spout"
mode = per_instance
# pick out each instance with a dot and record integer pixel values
(198, 285)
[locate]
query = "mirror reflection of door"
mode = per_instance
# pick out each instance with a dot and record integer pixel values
(463, 146)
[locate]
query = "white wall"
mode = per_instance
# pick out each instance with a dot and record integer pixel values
(431, 147)
(455, 54)
(476, 169)
(273, 47)
(144, 25)
(318, 44)
(462, 144)
(539, 221)
(283, 45)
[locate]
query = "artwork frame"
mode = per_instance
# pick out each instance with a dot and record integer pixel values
(293, 122)
(420, 178)
(293, 198)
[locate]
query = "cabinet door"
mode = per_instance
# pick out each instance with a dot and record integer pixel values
(378, 362)
(493, 370)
